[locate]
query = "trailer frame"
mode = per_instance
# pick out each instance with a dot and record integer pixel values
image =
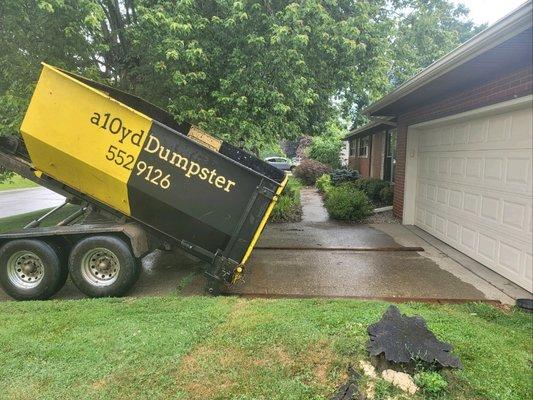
(218, 269)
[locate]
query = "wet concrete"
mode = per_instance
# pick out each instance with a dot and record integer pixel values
(317, 230)
(368, 274)
(311, 273)
(313, 210)
(351, 274)
(21, 201)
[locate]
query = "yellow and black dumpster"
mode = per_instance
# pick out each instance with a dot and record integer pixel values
(124, 156)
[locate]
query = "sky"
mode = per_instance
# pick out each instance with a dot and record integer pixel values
(489, 11)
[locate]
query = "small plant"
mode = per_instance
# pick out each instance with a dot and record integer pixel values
(372, 187)
(431, 382)
(309, 171)
(386, 195)
(323, 184)
(345, 203)
(326, 149)
(383, 390)
(343, 175)
(288, 207)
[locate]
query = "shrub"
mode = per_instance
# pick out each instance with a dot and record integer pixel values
(309, 171)
(431, 382)
(288, 207)
(327, 150)
(387, 195)
(323, 184)
(342, 175)
(345, 203)
(372, 187)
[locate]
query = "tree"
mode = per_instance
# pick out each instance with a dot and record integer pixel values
(251, 72)
(430, 30)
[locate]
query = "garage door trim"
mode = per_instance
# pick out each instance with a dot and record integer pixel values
(469, 190)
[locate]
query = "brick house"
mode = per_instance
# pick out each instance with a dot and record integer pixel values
(463, 161)
(372, 148)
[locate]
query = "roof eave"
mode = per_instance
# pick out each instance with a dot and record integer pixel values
(504, 29)
(367, 127)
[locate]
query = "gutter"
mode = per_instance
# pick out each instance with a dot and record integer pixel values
(502, 30)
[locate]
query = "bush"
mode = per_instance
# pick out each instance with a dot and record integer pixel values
(387, 195)
(342, 175)
(373, 188)
(309, 171)
(288, 207)
(431, 382)
(345, 203)
(323, 184)
(327, 150)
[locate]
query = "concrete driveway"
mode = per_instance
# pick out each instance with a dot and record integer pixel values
(21, 201)
(322, 258)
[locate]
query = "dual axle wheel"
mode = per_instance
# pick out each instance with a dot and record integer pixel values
(100, 266)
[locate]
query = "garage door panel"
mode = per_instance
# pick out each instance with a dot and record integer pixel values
(510, 172)
(474, 190)
(427, 211)
(509, 130)
(506, 257)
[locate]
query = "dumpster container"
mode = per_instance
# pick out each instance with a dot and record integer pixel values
(127, 159)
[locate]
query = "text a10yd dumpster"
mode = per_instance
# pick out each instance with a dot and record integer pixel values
(159, 184)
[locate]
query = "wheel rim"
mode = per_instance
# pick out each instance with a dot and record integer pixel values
(100, 267)
(25, 269)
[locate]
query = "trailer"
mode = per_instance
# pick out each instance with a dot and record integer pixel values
(141, 182)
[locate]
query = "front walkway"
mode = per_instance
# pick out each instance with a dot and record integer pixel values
(364, 261)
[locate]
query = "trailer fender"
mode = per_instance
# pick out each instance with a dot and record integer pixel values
(138, 239)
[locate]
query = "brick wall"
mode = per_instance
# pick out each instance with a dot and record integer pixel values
(360, 164)
(508, 87)
(364, 167)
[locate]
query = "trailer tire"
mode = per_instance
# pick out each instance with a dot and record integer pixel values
(31, 269)
(103, 266)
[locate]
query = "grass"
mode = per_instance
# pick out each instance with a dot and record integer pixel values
(18, 221)
(288, 208)
(16, 182)
(230, 348)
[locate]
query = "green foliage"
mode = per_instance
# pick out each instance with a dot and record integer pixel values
(345, 203)
(15, 182)
(431, 382)
(373, 187)
(384, 390)
(326, 149)
(386, 195)
(288, 208)
(271, 150)
(323, 184)
(343, 175)
(289, 348)
(432, 29)
(251, 72)
(310, 170)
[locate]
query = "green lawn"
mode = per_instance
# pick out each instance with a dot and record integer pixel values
(18, 221)
(16, 182)
(230, 348)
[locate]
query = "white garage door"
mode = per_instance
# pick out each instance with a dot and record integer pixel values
(474, 189)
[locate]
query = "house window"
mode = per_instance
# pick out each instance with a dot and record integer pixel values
(362, 147)
(353, 147)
